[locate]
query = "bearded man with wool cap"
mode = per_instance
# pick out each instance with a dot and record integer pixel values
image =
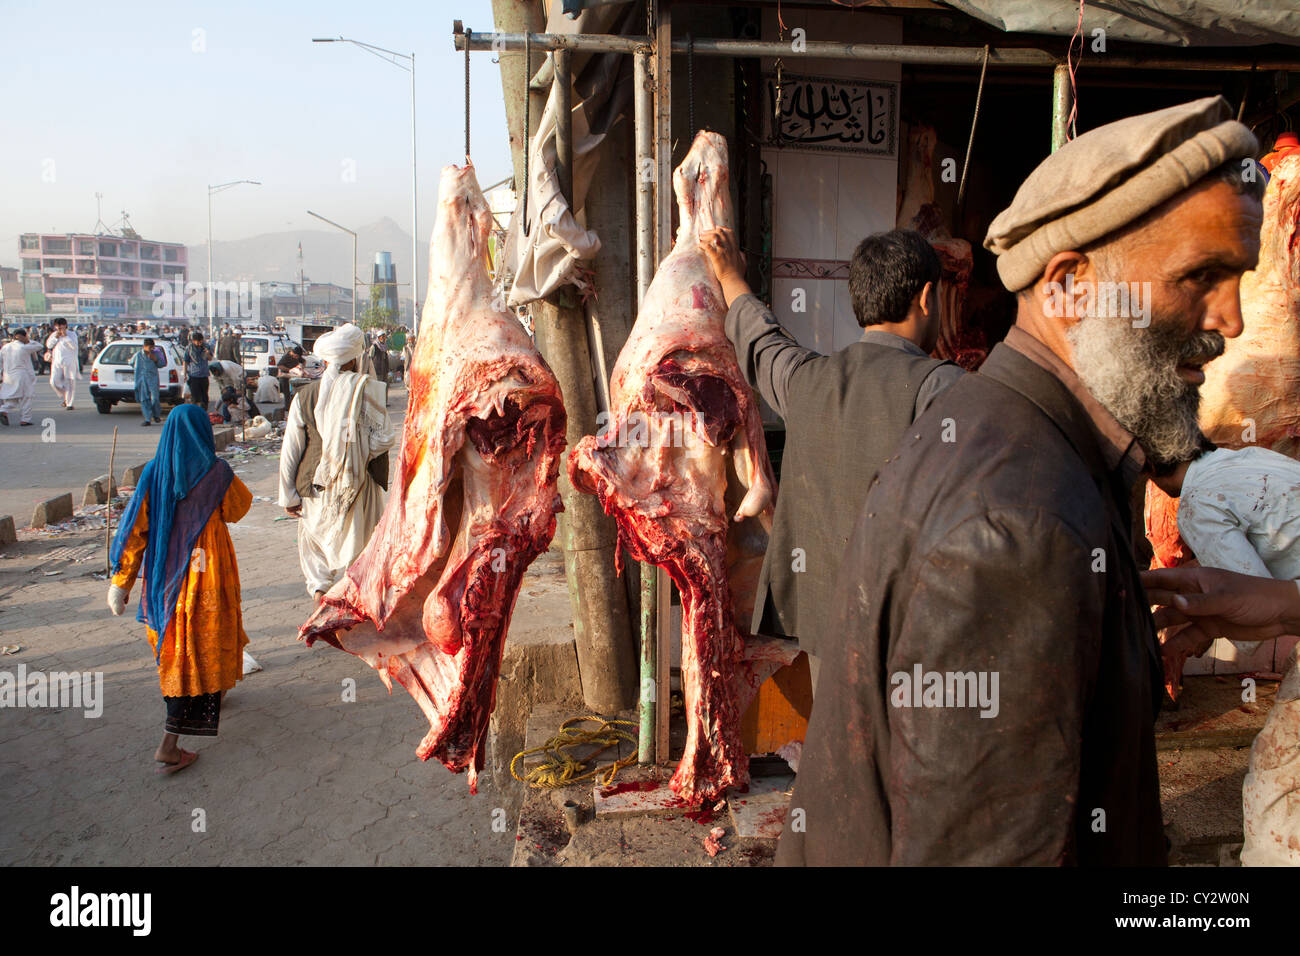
(998, 539)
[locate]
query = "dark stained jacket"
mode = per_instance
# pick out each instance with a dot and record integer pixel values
(1004, 551)
(844, 414)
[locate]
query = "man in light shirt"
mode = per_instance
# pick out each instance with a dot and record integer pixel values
(64, 356)
(268, 399)
(1239, 510)
(17, 377)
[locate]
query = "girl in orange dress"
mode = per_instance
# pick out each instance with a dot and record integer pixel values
(173, 534)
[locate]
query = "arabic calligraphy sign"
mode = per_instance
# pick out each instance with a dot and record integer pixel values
(829, 113)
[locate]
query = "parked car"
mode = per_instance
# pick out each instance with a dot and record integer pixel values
(261, 350)
(112, 379)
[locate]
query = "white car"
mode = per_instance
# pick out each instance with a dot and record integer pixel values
(112, 379)
(261, 350)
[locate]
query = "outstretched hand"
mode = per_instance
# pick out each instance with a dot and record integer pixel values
(727, 261)
(1216, 603)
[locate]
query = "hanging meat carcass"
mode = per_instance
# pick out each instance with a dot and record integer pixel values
(958, 341)
(429, 601)
(1251, 393)
(682, 454)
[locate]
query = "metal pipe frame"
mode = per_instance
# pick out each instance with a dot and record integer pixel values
(830, 50)
(663, 215)
(643, 105)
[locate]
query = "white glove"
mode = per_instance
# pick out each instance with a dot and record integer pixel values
(117, 599)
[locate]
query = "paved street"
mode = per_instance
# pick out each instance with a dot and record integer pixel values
(40, 462)
(297, 775)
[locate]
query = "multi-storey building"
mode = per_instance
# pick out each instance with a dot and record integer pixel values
(102, 277)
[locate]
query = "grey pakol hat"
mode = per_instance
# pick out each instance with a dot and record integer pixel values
(1109, 177)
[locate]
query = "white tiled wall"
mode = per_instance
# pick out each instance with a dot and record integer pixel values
(1228, 657)
(824, 203)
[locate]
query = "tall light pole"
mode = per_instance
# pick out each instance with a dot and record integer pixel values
(389, 56)
(212, 191)
(354, 259)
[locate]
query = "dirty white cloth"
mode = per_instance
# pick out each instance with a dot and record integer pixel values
(18, 378)
(549, 256)
(1240, 510)
(1270, 794)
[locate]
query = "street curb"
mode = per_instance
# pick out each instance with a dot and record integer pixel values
(98, 491)
(58, 508)
(223, 436)
(131, 477)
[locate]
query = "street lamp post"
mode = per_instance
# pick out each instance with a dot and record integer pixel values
(389, 56)
(354, 259)
(212, 191)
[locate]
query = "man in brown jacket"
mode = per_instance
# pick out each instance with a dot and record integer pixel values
(997, 675)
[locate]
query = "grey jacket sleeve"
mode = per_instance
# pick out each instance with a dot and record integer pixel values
(934, 385)
(767, 353)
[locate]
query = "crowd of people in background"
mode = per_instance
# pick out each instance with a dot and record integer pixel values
(63, 350)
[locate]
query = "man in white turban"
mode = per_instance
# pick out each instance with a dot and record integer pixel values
(334, 460)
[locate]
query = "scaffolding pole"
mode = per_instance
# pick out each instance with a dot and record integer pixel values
(643, 105)
(830, 50)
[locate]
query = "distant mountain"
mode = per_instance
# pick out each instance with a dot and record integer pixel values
(326, 256)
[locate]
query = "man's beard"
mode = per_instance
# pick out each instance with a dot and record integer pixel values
(1133, 373)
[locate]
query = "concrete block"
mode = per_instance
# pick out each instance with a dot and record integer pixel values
(98, 491)
(539, 664)
(131, 477)
(53, 510)
(1242, 657)
(7, 533)
(531, 672)
(223, 436)
(760, 813)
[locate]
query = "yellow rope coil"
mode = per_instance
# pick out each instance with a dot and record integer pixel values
(560, 769)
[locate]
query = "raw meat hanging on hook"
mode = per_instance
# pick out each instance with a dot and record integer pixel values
(429, 601)
(683, 454)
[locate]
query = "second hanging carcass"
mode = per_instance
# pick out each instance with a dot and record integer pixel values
(683, 469)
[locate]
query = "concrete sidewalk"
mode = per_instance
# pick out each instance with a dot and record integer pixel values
(296, 776)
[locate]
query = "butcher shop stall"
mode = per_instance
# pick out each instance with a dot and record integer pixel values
(658, 729)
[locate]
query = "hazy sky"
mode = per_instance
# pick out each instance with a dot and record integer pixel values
(148, 102)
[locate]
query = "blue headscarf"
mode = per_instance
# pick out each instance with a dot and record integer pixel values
(183, 484)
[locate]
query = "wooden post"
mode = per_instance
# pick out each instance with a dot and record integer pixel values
(108, 510)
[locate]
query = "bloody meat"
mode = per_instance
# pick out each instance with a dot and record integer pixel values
(683, 454)
(428, 602)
